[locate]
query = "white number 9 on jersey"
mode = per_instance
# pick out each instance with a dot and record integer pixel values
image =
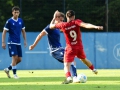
(73, 35)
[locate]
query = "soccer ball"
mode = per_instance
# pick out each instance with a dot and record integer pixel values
(82, 78)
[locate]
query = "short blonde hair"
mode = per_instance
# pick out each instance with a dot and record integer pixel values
(60, 14)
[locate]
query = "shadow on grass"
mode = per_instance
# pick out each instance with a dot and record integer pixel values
(52, 79)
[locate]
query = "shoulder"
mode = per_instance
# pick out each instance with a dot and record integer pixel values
(60, 24)
(78, 20)
(47, 27)
(20, 19)
(9, 20)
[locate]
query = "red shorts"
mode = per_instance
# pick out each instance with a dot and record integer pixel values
(71, 53)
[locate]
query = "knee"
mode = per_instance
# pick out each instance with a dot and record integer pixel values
(67, 64)
(61, 61)
(84, 60)
(19, 60)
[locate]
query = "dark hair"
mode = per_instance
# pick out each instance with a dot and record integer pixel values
(15, 8)
(70, 13)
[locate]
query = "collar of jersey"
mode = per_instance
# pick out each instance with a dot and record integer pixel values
(14, 19)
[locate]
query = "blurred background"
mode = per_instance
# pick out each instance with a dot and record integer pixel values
(102, 48)
(38, 13)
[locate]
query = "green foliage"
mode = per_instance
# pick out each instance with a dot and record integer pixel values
(114, 15)
(38, 13)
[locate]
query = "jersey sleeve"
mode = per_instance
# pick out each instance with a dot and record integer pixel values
(23, 26)
(78, 22)
(59, 25)
(47, 29)
(6, 27)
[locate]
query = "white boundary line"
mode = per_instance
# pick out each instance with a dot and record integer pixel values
(35, 52)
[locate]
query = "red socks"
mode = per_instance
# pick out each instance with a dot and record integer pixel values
(68, 74)
(91, 67)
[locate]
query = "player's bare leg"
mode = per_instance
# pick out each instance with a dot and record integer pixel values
(6, 70)
(19, 60)
(67, 73)
(90, 65)
(14, 63)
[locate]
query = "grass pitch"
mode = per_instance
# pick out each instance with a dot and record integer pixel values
(108, 79)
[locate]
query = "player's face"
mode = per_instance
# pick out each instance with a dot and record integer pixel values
(16, 13)
(61, 19)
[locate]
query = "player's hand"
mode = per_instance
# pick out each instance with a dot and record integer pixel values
(25, 44)
(55, 14)
(31, 47)
(99, 27)
(3, 45)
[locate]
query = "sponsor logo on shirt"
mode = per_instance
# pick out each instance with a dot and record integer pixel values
(70, 27)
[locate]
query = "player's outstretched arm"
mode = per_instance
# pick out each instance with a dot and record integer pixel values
(54, 17)
(38, 38)
(91, 26)
(52, 23)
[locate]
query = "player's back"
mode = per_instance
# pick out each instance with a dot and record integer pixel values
(72, 33)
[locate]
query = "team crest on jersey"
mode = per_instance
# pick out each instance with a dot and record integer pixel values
(12, 52)
(20, 23)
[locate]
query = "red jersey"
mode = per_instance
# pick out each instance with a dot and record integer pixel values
(71, 32)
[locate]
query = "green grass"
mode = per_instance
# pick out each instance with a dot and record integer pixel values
(108, 79)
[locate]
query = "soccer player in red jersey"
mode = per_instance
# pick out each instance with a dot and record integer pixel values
(55, 47)
(74, 46)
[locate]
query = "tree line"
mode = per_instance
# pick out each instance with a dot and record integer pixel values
(38, 13)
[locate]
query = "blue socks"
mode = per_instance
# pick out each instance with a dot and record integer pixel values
(73, 70)
(14, 69)
(10, 67)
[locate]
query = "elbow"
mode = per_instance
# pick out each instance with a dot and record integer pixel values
(52, 26)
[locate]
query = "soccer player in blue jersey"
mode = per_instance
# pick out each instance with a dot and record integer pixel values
(56, 50)
(14, 26)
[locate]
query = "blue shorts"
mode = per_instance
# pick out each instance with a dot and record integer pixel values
(59, 54)
(15, 50)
